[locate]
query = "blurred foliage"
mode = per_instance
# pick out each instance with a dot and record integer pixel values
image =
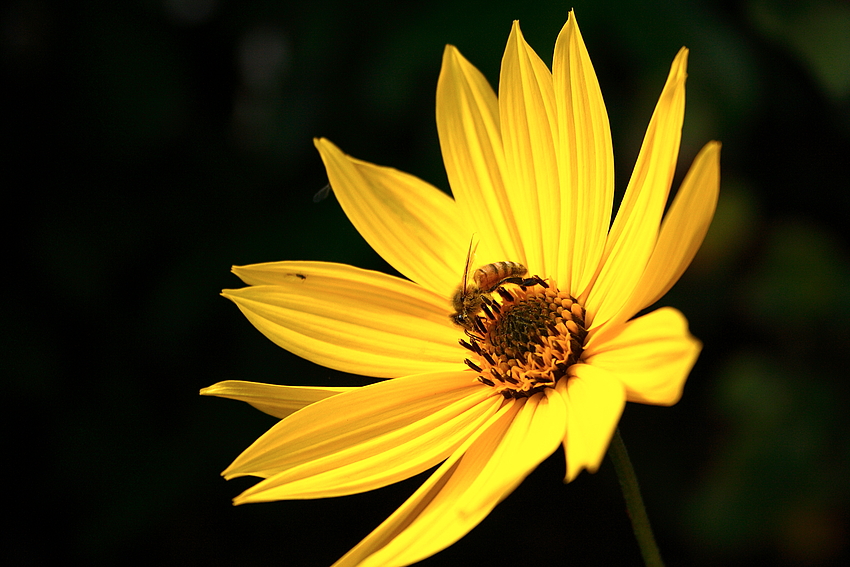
(153, 143)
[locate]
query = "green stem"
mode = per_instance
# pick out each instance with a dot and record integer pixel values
(634, 502)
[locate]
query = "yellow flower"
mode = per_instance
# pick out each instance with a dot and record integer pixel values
(546, 363)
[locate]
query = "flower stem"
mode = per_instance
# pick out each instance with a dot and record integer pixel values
(634, 502)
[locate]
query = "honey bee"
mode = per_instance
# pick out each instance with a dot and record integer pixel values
(471, 295)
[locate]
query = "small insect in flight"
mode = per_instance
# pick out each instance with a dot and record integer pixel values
(471, 295)
(322, 193)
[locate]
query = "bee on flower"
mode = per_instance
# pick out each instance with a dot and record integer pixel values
(472, 296)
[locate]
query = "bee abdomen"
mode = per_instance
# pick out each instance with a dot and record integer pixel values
(489, 277)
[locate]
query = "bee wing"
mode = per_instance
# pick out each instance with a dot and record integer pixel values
(473, 246)
(322, 193)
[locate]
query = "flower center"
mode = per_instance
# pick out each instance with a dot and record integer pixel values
(525, 340)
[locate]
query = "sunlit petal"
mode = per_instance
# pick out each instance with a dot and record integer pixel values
(651, 355)
(350, 319)
(374, 462)
(279, 401)
(471, 142)
(635, 229)
(682, 231)
(586, 161)
(453, 477)
(465, 488)
(535, 433)
(355, 418)
(530, 136)
(411, 224)
(595, 400)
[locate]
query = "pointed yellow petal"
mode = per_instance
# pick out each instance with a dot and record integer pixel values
(595, 400)
(279, 401)
(471, 143)
(384, 459)
(290, 274)
(411, 224)
(468, 486)
(651, 355)
(530, 136)
(682, 231)
(354, 418)
(586, 160)
(635, 229)
(450, 479)
(535, 433)
(353, 320)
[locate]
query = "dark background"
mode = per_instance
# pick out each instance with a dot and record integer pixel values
(152, 144)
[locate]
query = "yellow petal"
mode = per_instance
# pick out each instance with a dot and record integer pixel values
(451, 478)
(279, 401)
(471, 143)
(290, 274)
(411, 224)
(350, 319)
(586, 160)
(651, 355)
(529, 133)
(535, 433)
(635, 229)
(682, 231)
(595, 400)
(355, 418)
(467, 486)
(382, 460)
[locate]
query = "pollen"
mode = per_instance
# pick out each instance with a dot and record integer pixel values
(525, 339)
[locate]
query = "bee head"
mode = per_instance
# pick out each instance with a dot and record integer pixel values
(463, 320)
(460, 319)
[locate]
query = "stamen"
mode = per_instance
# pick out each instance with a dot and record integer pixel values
(487, 311)
(480, 326)
(484, 380)
(506, 295)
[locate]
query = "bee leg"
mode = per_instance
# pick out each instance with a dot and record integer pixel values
(515, 281)
(488, 302)
(532, 281)
(506, 295)
(473, 339)
(486, 310)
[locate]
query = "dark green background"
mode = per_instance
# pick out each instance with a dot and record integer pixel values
(155, 143)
